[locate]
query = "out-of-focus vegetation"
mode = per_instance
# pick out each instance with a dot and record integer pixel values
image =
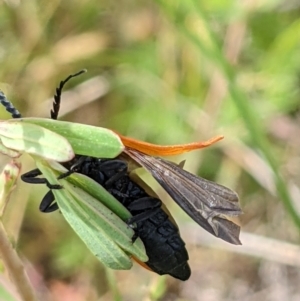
(167, 72)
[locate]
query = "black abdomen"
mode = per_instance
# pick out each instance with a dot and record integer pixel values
(164, 246)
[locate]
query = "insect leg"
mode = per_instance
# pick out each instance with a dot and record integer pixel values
(150, 206)
(47, 204)
(31, 178)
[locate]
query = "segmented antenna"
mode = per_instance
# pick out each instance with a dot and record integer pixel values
(56, 103)
(57, 96)
(9, 106)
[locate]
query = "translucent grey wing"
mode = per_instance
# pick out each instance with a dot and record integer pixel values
(204, 201)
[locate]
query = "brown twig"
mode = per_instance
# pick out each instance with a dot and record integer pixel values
(15, 267)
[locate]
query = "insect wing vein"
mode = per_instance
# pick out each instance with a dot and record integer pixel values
(215, 196)
(202, 200)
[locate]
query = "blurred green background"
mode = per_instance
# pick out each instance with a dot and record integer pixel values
(167, 72)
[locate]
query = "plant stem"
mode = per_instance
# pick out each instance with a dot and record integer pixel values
(15, 267)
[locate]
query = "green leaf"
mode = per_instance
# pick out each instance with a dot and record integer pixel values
(107, 236)
(35, 140)
(85, 139)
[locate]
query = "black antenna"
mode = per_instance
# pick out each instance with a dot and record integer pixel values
(9, 106)
(56, 103)
(57, 96)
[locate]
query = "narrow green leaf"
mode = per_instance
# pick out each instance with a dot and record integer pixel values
(85, 139)
(96, 240)
(86, 226)
(36, 140)
(105, 234)
(111, 225)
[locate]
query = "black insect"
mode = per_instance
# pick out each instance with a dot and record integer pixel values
(164, 246)
(208, 203)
